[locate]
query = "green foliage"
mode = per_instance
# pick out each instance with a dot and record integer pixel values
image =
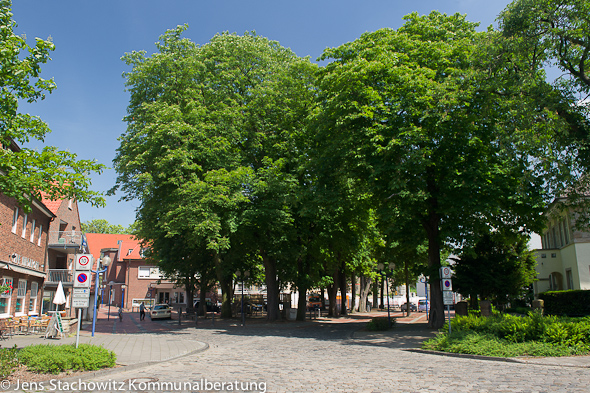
(498, 267)
(380, 323)
(103, 226)
(508, 335)
(8, 361)
(57, 358)
(571, 302)
(25, 172)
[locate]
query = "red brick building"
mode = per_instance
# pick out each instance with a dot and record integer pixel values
(23, 257)
(130, 279)
(65, 240)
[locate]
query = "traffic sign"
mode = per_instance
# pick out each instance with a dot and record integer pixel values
(446, 284)
(82, 280)
(81, 292)
(445, 272)
(84, 262)
(448, 298)
(80, 303)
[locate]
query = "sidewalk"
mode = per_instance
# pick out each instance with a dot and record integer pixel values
(132, 340)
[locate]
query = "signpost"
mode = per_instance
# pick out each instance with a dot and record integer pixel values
(81, 290)
(447, 288)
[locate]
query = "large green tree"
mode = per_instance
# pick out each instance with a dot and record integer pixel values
(103, 226)
(212, 146)
(497, 267)
(429, 122)
(23, 171)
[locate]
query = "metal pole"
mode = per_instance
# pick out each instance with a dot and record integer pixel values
(97, 272)
(243, 315)
(79, 323)
(449, 315)
(122, 296)
(426, 291)
(388, 311)
(109, 314)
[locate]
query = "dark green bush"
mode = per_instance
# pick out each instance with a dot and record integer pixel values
(571, 303)
(57, 358)
(380, 323)
(531, 335)
(8, 361)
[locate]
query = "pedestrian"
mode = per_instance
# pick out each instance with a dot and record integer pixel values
(141, 311)
(121, 313)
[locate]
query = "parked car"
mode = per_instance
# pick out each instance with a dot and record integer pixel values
(423, 305)
(161, 311)
(404, 307)
(314, 302)
(208, 305)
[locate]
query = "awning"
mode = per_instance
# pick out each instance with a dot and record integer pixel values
(166, 285)
(20, 269)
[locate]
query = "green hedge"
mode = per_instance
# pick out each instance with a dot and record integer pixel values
(571, 303)
(57, 358)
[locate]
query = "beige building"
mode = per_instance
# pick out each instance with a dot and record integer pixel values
(564, 260)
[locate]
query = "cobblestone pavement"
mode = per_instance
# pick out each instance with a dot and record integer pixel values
(331, 357)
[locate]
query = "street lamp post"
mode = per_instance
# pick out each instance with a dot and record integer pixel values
(123, 295)
(391, 266)
(110, 294)
(243, 277)
(104, 261)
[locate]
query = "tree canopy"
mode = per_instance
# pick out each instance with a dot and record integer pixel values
(26, 172)
(103, 226)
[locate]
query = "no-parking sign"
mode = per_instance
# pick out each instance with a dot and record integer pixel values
(84, 262)
(82, 280)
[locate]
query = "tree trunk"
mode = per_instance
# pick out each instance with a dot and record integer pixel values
(302, 304)
(332, 291)
(408, 308)
(436, 318)
(226, 288)
(353, 292)
(375, 294)
(343, 288)
(322, 296)
(365, 285)
(272, 287)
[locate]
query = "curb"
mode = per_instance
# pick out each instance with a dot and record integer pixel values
(107, 371)
(494, 358)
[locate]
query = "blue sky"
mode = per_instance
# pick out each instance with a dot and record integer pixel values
(85, 111)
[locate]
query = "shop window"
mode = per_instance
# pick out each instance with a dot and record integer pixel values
(33, 297)
(5, 297)
(20, 297)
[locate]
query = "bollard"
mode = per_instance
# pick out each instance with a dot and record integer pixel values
(213, 319)
(196, 318)
(179, 315)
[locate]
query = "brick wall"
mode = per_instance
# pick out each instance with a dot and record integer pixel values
(20, 251)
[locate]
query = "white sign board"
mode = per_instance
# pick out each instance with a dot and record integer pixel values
(84, 262)
(80, 303)
(448, 298)
(81, 292)
(446, 284)
(445, 272)
(82, 280)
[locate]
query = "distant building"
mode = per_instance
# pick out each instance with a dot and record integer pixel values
(564, 260)
(129, 279)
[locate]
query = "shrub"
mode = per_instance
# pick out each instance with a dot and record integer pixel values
(8, 361)
(380, 323)
(531, 335)
(572, 303)
(57, 358)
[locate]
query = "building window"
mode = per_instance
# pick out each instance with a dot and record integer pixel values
(5, 297)
(143, 272)
(15, 220)
(20, 297)
(33, 224)
(25, 225)
(33, 297)
(569, 278)
(40, 235)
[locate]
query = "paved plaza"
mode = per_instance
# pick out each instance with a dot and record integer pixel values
(323, 355)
